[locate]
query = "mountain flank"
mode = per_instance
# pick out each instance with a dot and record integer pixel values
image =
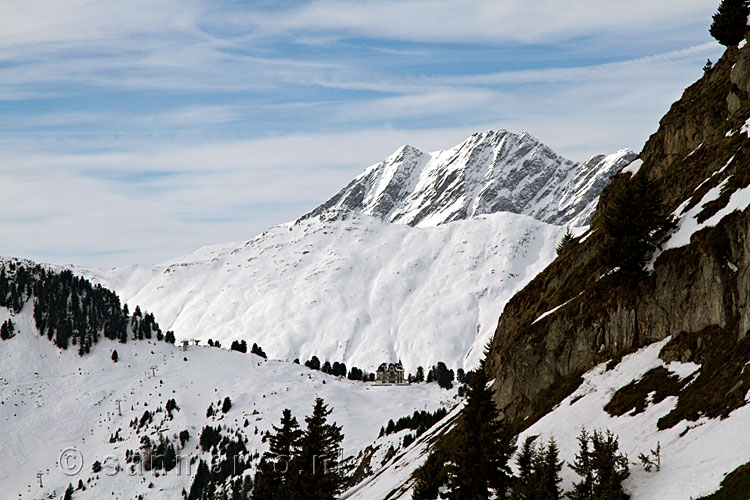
(579, 312)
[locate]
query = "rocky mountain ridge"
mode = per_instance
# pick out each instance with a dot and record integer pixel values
(490, 172)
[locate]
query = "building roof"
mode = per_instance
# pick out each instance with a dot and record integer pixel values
(391, 367)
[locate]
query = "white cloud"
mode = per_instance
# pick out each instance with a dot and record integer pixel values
(111, 184)
(542, 21)
(76, 207)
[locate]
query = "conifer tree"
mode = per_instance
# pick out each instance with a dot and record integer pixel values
(481, 461)
(430, 477)
(256, 349)
(527, 457)
(611, 467)
(730, 22)
(115, 356)
(583, 490)
(273, 469)
(7, 330)
(547, 468)
(69, 492)
(601, 467)
(316, 473)
(634, 223)
(202, 486)
(565, 243)
(313, 363)
(226, 405)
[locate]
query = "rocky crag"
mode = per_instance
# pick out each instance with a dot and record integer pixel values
(576, 313)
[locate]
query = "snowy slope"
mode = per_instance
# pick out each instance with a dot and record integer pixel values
(489, 172)
(414, 259)
(348, 287)
(695, 456)
(692, 465)
(53, 400)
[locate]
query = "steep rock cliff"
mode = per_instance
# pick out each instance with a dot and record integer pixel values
(577, 313)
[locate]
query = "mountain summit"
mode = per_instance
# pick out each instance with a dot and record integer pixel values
(412, 260)
(490, 172)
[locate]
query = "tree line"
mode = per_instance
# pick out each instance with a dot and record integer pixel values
(69, 310)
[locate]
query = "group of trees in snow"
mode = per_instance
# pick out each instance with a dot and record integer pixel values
(7, 329)
(338, 369)
(437, 373)
(474, 461)
(420, 421)
(70, 310)
(241, 346)
(301, 464)
(223, 476)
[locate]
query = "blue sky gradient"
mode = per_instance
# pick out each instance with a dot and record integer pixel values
(132, 132)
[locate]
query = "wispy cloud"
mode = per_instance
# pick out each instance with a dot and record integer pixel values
(136, 131)
(476, 20)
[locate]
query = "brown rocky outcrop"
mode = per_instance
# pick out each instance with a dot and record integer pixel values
(700, 287)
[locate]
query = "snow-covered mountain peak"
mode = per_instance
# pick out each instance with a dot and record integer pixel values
(489, 172)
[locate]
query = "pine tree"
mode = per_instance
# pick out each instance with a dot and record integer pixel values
(547, 468)
(273, 469)
(419, 377)
(730, 22)
(481, 461)
(202, 486)
(69, 492)
(430, 477)
(527, 457)
(316, 473)
(601, 467)
(634, 223)
(583, 490)
(115, 357)
(258, 351)
(7, 330)
(313, 363)
(566, 242)
(227, 405)
(611, 467)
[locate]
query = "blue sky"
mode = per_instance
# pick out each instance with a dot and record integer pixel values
(132, 132)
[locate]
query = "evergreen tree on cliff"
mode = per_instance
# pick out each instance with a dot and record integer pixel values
(634, 223)
(730, 22)
(484, 447)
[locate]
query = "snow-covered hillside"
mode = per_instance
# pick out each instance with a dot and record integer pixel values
(414, 259)
(348, 287)
(59, 411)
(694, 456)
(490, 172)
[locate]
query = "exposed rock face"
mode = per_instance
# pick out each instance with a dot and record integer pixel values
(702, 144)
(489, 172)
